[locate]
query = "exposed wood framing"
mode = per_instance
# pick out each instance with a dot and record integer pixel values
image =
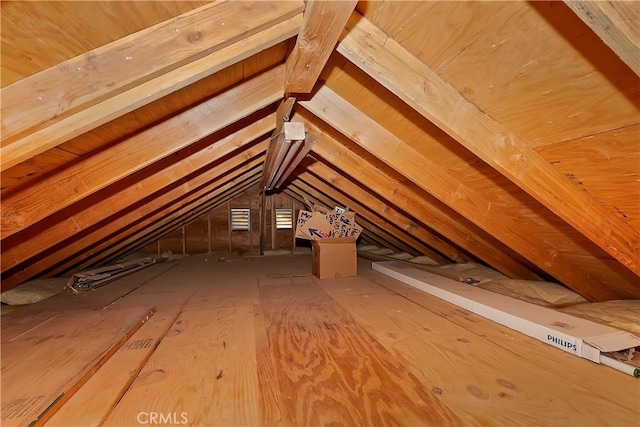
(448, 223)
(84, 92)
(369, 215)
(161, 206)
(191, 213)
(124, 239)
(617, 23)
(303, 191)
(423, 89)
(439, 250)
(187, 163)
(309, 143)
(432, 178)
(65, 187)
(322, 24)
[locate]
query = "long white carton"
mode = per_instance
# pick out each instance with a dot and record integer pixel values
(569, 333)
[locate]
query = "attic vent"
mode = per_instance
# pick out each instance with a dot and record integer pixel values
(240, 220)
(284, 219)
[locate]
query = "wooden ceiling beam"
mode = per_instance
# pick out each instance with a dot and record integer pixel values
(384, 220)
(366, 234)
(322, 25)
(432, 178)
(65, 187)
(191, 213)
(385, 60)
(16, 251)
(445, 222)
(103, 248)
(98, 86)
(617, 23)
(316, 196)
(163, 204)
(440, 251)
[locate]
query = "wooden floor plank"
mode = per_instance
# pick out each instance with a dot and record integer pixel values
(497, 387)
(270, 398)
(599, 380)
(42, 369)
(332, 372)
(203, 372)
(112, 380)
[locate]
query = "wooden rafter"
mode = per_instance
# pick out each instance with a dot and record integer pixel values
(99, 239)
(91, 89)
(385, 60)
(65, 187)
(416, 205)
(432, 178)
(167, 211)
(322, 24)
(617, 23)
(187, 163)
(382, 235)
(358, 198)
(190, 213)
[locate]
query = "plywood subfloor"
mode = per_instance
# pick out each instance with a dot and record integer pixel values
(260, 341)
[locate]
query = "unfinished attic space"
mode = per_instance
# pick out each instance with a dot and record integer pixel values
(305, 213)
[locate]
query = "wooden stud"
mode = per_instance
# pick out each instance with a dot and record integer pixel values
(99, 239)
(191, 213)
(304, 191)
(617, 23)
(423, 89)
(321, 26)
(180, 214)
(14, 253)
(432, 178)
(65, 187)
(366, 207)
(60, 92)
(446, 222)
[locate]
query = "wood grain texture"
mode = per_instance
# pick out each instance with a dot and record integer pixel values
(140, 150)
(463, 197)
(367, 205)
(138, 241)
(77, 344)
(393, 66)
(158, 207)
(40, 35)
(605, 165)
(322, 24)
(331, 371)
(205, 367)
(111, 381)
(186, 162)
(111, 247)
(82, 121)
(127, 62)
(498, 393)
(426, 209)
(600, 381)
(616, 23)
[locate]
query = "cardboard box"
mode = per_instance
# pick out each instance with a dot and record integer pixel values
(326, 225)
(574, 335)
(334, 258)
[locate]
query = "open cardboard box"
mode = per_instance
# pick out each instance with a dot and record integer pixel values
(333, 235)
(334, 258)
(574, 335)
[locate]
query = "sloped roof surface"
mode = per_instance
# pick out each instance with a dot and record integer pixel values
(500, 132)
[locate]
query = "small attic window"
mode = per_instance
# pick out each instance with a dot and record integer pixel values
(240, 219)
(284, 219)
